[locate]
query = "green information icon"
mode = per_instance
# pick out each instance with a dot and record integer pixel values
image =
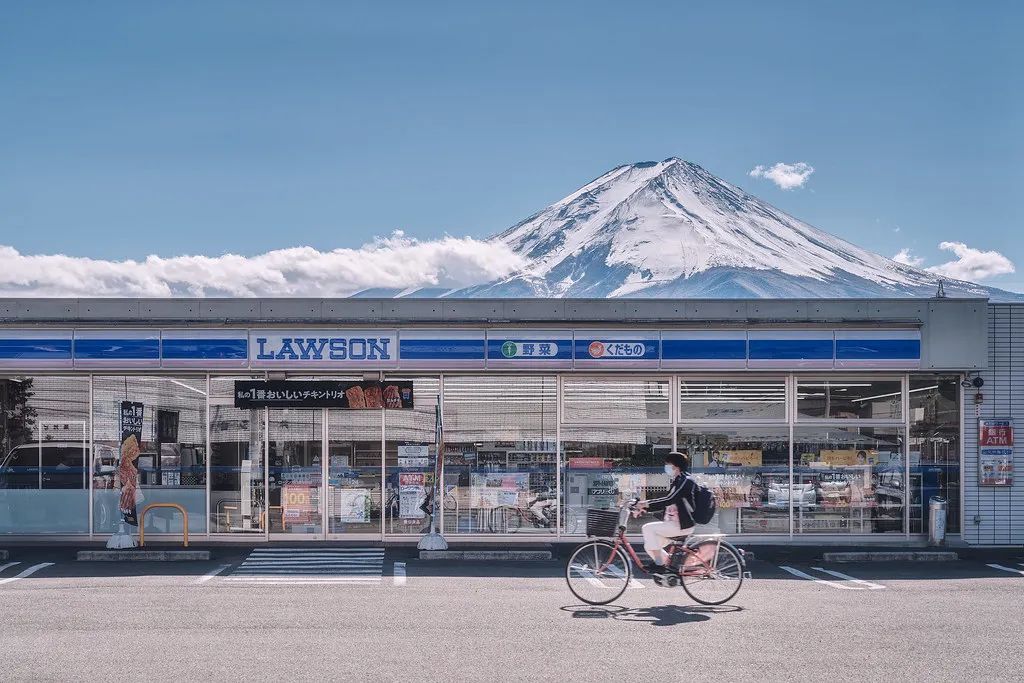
(509, 349)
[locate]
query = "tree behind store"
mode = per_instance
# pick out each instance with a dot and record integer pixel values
(17, 417)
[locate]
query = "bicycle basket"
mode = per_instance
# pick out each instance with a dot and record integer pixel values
(602, 522)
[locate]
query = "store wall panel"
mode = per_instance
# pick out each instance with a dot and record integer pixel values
(441, 348)
(124, 348)
(35, 349)
(194, 348)
(995, 515)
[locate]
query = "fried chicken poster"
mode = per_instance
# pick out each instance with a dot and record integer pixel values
(128, 467)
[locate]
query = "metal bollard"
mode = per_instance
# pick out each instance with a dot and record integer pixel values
(936, 520)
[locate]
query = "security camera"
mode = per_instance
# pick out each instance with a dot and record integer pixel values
(977, 382)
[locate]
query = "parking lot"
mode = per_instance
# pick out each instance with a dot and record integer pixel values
(308, 613)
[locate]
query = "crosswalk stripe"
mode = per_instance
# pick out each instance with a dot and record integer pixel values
(310, 566)
(804, 575)
(399, 573)
(1007, 569)
(839, 575)
(28, 572)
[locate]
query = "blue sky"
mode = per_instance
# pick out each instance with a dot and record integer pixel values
(136, 128)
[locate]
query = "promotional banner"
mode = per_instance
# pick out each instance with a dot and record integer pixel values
(995, 452)
(128, 468)
(412, 492)
(735, 458)
(323, 394)
(300, 504)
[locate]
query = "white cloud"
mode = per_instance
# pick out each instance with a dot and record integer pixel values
(972, 264)
(786, 176)
(396, 261)
(908, 259)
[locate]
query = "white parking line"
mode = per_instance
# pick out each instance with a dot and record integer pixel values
(1007, 569)
(840, 575)
(802, 575)
(5, 567)
(206, 577)
(28, 572)
(399, 573)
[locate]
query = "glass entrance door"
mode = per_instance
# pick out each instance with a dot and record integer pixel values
(295, 446)
(354, 472)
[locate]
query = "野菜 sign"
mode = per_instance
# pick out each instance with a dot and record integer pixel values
(995, 452)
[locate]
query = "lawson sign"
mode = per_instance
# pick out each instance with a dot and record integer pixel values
(327, 348)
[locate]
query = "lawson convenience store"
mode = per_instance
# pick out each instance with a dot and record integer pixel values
(318, 419)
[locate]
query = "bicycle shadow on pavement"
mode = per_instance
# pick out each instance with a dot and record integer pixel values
(660, 615)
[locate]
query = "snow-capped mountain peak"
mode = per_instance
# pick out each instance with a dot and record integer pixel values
(671, 228)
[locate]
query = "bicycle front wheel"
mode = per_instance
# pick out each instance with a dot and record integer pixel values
(598, 572)
(717, 584)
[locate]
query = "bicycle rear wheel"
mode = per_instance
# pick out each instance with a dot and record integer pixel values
(719, 584)
(598, 572)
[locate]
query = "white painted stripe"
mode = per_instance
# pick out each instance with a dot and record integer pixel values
(5, 567)
(1007, 569)
(313, 577)
(802, 575)
(310, 572)
(399, 573)
(285, 582)
(28, 572)
(319, 550)
(847, 577)
(313, 558)
(206, 577)
(313, 563)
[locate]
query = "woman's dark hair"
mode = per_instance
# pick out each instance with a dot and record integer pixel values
(680, 460)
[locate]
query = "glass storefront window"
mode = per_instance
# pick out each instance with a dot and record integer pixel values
(615, 400)
(294, 470)
(500, 454)
(44, 455)
(237, 493)
(170, 459)
(935, 447)
(410, 450)
(748, 469)
(853, 399)
(732, 399)
(604, 466)
(852, 480)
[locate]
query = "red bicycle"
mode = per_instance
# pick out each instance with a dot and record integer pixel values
(709, 569)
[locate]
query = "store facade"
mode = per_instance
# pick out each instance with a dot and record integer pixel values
(320, 419)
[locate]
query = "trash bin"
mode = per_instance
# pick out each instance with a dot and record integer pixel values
(936, 520)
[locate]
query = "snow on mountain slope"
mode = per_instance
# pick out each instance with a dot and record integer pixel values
(671, 228)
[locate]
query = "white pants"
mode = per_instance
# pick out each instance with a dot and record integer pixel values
(657, 535)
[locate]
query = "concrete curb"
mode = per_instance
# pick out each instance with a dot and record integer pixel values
(142, 555)
(484, 555)
(892, 556)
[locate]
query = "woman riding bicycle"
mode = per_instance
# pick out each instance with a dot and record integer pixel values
(677, 504)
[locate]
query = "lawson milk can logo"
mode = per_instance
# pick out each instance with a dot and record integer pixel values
(529, 349)
(322, 348)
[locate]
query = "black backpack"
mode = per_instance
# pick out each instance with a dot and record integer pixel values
(702, 507)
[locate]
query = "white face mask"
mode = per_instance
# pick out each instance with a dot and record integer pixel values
(670, 471)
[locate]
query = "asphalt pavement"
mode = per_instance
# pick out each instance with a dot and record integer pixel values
(359, 613)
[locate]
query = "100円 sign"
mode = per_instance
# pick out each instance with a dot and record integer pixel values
(323, 394)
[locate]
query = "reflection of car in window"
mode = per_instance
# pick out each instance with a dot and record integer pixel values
(50, 465)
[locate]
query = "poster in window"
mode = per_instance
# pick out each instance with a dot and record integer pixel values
(995, 452)
(128, 467)
(412, 492)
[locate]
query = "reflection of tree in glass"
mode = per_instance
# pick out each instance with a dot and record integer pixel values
(17, 416)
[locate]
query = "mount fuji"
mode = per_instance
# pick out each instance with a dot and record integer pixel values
(672, 229)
